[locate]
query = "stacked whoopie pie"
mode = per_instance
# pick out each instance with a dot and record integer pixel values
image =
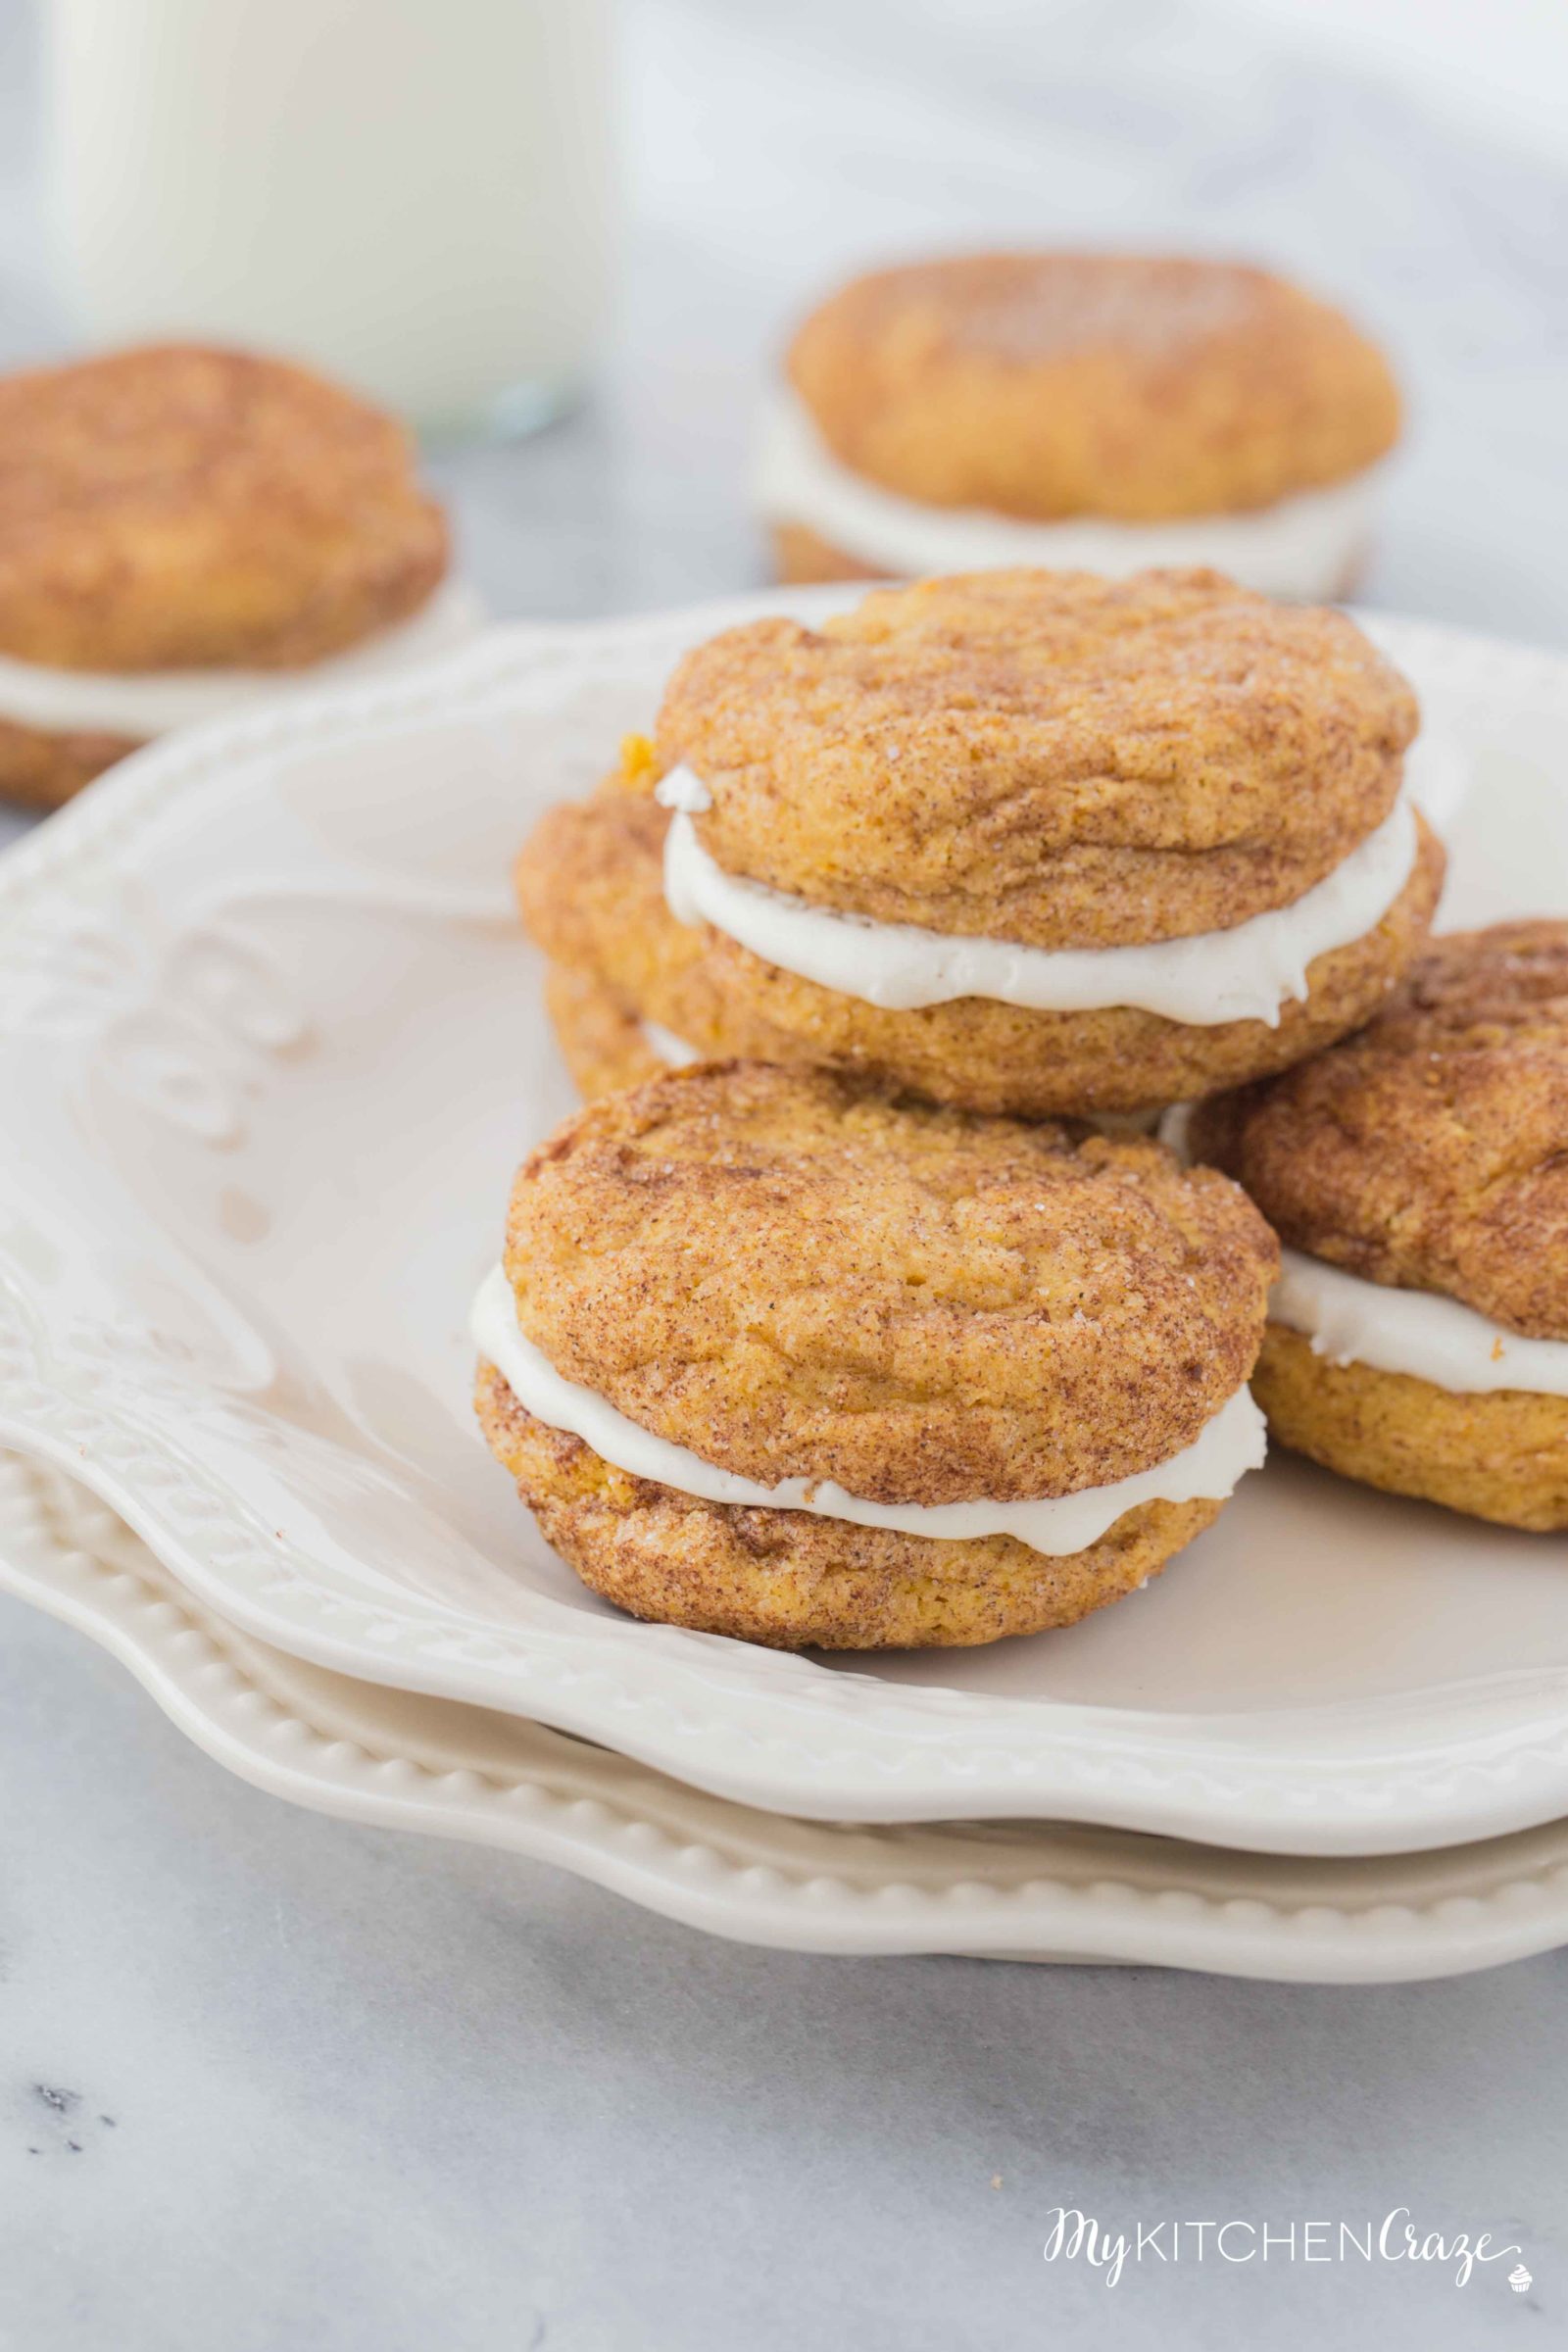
(1027, 842)
(839, 1336)
(185, 532)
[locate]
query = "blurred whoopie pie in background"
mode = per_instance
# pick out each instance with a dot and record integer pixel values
(186, 531)
(1093, 412)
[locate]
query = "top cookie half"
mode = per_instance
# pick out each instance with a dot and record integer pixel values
(1052, 759)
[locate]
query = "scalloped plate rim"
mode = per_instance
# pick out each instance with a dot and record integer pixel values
(695, 1858)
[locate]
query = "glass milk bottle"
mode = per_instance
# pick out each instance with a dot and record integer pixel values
(417, 196)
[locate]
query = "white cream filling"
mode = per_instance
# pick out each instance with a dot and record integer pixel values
(1244, 974)
(1230, 1444)
(667, 1046)
(1301, 547)
(149, 702)
(1352, 1321)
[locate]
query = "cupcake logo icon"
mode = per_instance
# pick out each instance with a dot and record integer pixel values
(1519, 2280)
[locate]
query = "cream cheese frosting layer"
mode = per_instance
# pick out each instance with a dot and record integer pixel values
(1350, 1320)
(1230, 1444)
(1301, 547)
(1244, 974)
(148, 703)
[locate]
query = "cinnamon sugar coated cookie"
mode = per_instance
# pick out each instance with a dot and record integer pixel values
(1418, 1175)
(1041, 767)
(1101, 409)
(791, 1277)
(174, 516)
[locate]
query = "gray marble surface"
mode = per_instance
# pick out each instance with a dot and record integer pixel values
(268, 2082)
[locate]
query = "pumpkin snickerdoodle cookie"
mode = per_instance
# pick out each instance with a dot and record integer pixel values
(772, 1354)
(1418, 1174)
(1026, 842)
(185, 531)
(1101, 411)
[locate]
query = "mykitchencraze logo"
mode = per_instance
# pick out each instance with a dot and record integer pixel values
(1075, 2237)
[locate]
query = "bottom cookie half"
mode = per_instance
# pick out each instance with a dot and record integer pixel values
(1501, 1456)
(791, 1580)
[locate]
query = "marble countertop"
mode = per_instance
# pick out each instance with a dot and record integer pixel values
(270, 2082)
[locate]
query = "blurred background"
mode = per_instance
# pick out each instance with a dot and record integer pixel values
(1407, 157)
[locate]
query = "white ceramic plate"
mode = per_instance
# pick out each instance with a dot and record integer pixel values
(271, 1044)
(1019, 1890)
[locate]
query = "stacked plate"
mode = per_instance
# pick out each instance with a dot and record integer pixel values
(271, 1046)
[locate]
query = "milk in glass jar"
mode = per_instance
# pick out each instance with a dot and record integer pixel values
(416, 196)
